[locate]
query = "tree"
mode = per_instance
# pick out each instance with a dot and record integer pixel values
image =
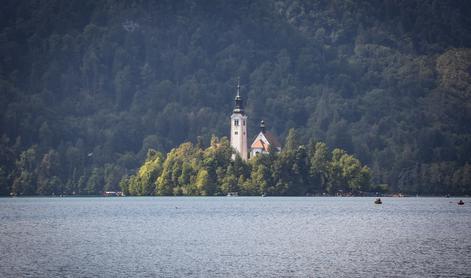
(48, 171)
(4, 186)
(229, 182)
(336, 176)
(396, 96)
(299, 173)
(24, 182)
(149, 171)
(124, 184)
(45, 136)
(94, 182)
(260, 178)
(291, 141)
(203, 182)
(319, 166)
(111, 176)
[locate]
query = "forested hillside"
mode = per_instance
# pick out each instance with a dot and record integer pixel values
(87, 87)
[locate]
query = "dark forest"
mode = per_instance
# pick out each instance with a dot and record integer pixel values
(90, 91)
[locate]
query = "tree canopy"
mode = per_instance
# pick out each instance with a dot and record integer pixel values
(192, 170)
(88, 87)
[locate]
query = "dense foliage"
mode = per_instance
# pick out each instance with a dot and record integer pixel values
(88, 87)
(297, 170)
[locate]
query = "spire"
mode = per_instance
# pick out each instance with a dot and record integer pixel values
(238, 87)
(239, 105)
(262, 126)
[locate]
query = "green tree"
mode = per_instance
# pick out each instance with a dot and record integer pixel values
(124, 184)
(336, 178)
(319, 167)
(202, 182)
(48, 172)
(4, 186)
(291, 141)
(260, 179)
(149, 172)
(95, 182)
(24, 182)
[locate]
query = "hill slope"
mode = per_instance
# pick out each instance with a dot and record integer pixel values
(87, 87)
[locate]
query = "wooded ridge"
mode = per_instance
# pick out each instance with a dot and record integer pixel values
(88, 87)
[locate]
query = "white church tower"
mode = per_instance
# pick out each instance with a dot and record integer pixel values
(239, 126)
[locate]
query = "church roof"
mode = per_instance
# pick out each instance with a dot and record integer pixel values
(259, 144)
(272, 139)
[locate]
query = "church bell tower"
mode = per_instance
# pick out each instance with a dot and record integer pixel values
(239, 126)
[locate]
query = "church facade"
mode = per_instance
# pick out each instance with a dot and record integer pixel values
(263, 143)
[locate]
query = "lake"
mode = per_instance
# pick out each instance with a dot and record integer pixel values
(234, 237)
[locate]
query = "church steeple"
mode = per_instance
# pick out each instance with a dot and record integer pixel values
(239, 127)
(239, 105)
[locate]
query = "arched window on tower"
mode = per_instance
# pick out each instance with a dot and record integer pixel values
(236, 122)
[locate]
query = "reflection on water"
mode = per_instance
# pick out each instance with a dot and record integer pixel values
(234, 237)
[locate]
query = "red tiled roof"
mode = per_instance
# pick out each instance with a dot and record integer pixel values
(259, 144)
(272, 139)
(272, 142)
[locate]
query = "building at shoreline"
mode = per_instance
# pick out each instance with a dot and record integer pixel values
(263, 143)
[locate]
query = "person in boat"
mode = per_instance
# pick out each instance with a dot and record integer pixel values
(378, 201)
(461, 202)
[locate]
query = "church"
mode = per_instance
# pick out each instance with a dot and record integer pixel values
(263, 143)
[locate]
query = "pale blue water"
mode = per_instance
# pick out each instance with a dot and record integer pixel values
(234, 237)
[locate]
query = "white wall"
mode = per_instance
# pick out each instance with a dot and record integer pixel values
(239, 140)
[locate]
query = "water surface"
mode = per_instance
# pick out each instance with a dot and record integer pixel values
(234, 237)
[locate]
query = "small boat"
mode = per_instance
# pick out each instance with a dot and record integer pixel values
(378, 201)
(232, 194)
(113, 194)
(461, 203)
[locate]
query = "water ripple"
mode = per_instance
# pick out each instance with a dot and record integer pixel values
(234, 237)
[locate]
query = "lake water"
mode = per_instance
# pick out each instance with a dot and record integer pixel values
(234, 237)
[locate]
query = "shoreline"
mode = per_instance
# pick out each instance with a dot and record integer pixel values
(240, 196)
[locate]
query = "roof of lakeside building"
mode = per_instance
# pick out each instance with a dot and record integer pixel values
(272, 141)
(259, 144)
